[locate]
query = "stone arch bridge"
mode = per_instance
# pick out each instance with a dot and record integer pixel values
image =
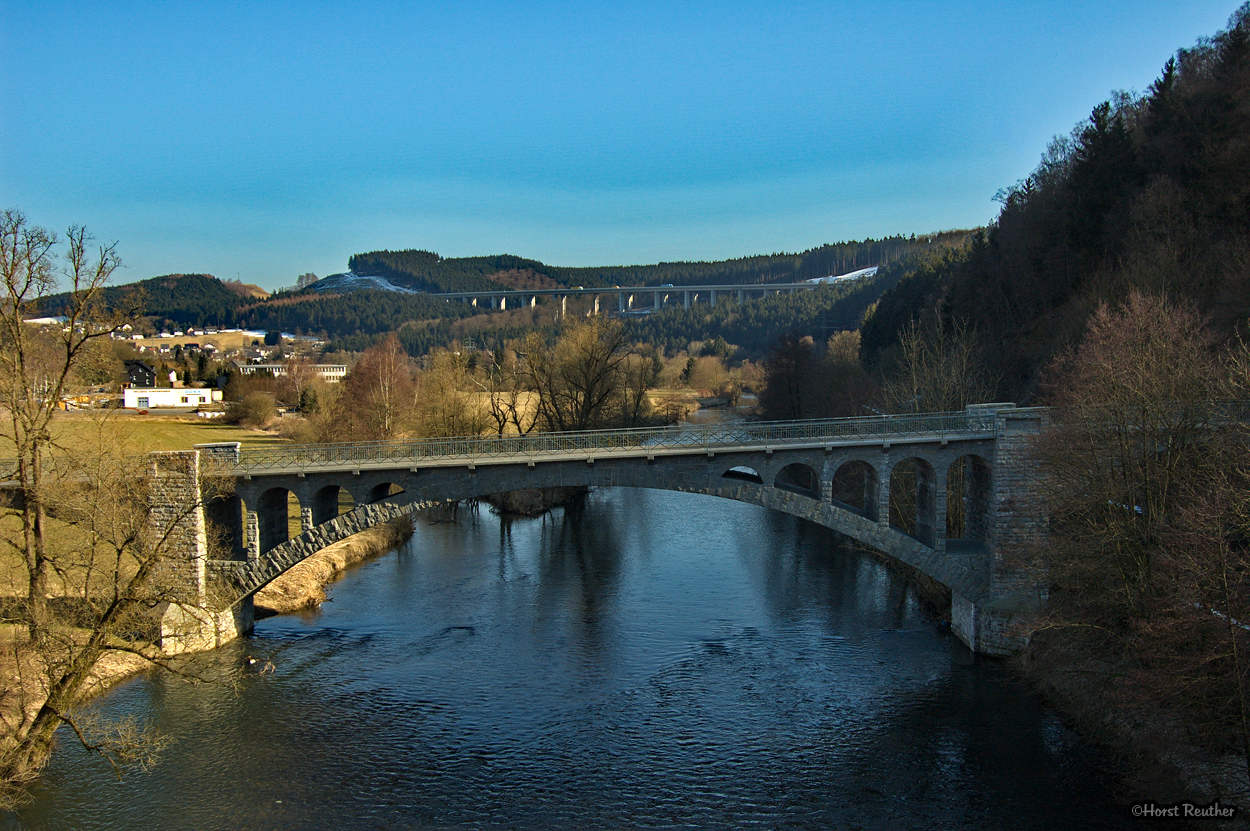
(947, 494)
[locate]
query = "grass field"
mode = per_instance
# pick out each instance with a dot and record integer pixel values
(143, 433)
(81, 431)
(222, 340)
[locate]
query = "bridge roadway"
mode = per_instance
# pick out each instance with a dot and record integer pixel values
(648, 442)
(846, 474)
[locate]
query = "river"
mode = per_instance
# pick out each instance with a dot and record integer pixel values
(649, 660)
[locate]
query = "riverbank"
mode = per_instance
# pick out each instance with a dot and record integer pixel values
(1152, 749)
(303, 586)
(300, 588)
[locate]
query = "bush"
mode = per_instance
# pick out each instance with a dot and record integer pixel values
(256, 409)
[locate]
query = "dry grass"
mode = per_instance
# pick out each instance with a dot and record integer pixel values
(145, 433)
(222, 340)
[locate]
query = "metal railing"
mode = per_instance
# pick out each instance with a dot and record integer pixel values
(648, 440)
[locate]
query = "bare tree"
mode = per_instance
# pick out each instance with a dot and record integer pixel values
(510, 404)
(38, 366)
(1147, 475)
(1136, 401)
(639, 374)
(301, 374)
(444, 407)
(578, 379)
(378, 396)
(938, 370)
(111, 545)
(82, 524)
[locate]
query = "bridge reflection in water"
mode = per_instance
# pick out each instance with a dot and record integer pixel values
(948, 494)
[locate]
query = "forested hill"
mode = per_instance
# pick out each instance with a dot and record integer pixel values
(184, 299)
(427, 271)
(356, 313)
(1152, 193)
(753, 325)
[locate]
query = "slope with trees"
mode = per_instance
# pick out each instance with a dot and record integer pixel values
(1152, 193)
(427, 271)
(184, 299)
(1146, 473)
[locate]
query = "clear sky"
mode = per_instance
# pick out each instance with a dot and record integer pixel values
(264, 140)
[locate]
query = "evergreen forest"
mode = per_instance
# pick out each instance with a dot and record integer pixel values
(1150, 194)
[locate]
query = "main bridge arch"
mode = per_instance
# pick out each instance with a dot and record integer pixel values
(797, 482)
(947, 494)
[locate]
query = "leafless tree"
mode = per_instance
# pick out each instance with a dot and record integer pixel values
(445, 405)
(579, 379)
(113, 548)
(938, 370)
(1148, 479)
(301, 374)
(38, 364)
(378, 396)
(509, 403)
(85, 539)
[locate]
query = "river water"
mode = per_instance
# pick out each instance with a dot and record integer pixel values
(649, 660)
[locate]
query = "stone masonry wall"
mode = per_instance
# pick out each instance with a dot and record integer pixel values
(174, 495)
(1018, 511)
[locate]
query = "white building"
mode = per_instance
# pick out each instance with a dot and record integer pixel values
(327, 372)
(140, 398)
(331, 372)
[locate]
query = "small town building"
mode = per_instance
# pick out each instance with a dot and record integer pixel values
(327, 372)
(139, 374)
(149, 398)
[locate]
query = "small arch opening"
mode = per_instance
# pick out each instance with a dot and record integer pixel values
(968, 500)
(278, 517)
(913, 499)
(330, 502)
(384, 491)
(224, 516)
(855, 488)
(798, 478)
(746, 474)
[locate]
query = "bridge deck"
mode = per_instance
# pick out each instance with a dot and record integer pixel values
(605, 444)
(573, 291)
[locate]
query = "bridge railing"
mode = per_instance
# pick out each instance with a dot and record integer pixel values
(645, 439)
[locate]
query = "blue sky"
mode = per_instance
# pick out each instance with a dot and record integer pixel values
(265, 140)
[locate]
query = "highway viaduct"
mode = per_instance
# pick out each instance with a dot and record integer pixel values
(626, 296)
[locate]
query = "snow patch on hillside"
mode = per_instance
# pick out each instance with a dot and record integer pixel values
(349, 281)
(845, 278)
